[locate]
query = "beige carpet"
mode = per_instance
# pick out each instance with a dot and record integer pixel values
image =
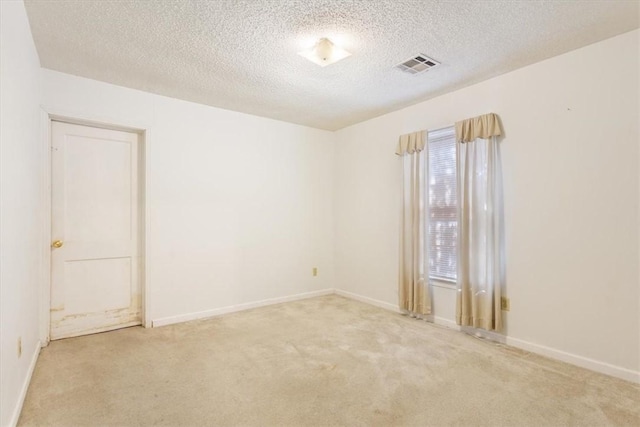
(322, 361)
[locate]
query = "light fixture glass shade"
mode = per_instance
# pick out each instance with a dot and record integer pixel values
(324, 53)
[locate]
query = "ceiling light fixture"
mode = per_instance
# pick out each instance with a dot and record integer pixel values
(324, 53)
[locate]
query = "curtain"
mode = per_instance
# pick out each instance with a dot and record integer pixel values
(413, 280)
(480, 226)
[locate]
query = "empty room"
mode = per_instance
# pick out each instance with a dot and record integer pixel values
(319, 213)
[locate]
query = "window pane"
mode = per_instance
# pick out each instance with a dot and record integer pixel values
(443, 209)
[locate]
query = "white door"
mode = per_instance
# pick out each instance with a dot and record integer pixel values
(94, 251)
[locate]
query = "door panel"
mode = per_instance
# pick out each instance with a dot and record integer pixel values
(103, 166)
(109, 279)
(94, 273)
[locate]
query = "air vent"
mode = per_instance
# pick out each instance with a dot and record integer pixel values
(417, 64)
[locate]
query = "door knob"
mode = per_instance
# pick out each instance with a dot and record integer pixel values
(57, 244)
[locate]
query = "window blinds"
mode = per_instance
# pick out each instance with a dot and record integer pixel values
(443, 209)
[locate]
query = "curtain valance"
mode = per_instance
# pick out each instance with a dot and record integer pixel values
(412, 142)
(484, 127)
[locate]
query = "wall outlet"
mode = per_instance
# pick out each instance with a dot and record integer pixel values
(314, 271)
(505, 304)
(20, 347)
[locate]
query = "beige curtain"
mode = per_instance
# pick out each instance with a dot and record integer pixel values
(484, 126)
(413, 278)
(480, 224)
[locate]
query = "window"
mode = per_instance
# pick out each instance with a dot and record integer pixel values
(443, 205)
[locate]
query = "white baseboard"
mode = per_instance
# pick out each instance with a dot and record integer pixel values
(234, 308)
(25, 386)
(367, 300)
(583, 362)
(391, 307)
(447, 323)
(481, 333)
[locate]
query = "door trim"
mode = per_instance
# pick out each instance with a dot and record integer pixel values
(47, 115)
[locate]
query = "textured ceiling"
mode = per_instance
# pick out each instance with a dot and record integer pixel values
(242, 54)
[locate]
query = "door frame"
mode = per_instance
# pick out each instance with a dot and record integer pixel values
(47, 115)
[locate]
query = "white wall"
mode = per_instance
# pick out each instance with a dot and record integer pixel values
(20, 205)
(570, 160)
(239, 207)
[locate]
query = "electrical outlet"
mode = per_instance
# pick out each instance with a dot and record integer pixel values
(315, 271)
(505, 304)
(20, 347)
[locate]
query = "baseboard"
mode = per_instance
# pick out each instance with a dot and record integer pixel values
(25, 386)
(573, 359)
(391, 307)
(481, 333)
(447, 323)
(583, 362)
(368, 300)
(234, 308)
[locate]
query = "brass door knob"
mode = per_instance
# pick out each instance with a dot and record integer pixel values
(57, 244)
